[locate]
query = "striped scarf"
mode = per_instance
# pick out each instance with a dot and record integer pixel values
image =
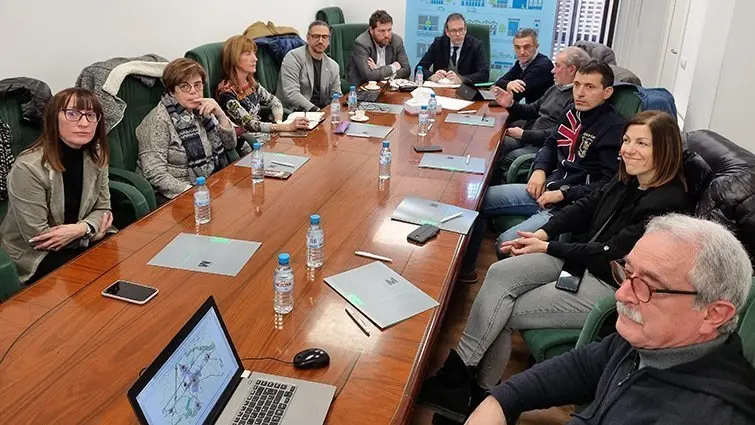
(188, 131)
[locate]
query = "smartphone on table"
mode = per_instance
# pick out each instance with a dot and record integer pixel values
(130, 292)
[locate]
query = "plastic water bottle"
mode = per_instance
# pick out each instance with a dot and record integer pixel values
(352, 100)
(424, 121)
(335, 110)
(283, 285)
(258, 163)
(384, 171)
(315, 243)
(201, 202)
(432, 107)
(419, 77)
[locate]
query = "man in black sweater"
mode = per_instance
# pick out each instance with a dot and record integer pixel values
(676, 359)
(544, 114)
(530, 76)
(455, 56)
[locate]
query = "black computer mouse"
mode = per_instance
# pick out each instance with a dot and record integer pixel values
(311, 358)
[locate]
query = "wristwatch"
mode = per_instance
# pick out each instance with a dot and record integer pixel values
(564, 189)
(89, 233)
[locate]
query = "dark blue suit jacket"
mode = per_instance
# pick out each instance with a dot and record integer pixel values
(472, 64)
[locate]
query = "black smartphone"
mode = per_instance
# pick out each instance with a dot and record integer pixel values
(570, 277)
(433, 148)
(130, 292)
(423, 234)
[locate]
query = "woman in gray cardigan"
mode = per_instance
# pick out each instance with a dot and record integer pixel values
(185, 136)
(58, 193)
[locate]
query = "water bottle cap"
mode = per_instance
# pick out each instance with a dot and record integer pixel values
(386, 143)
(432, 94)
(353, 88)
(335, 96)
(419, 67)
(314, 219)
(257, 146)
(200, 181)
(283, 259)
(424, 107)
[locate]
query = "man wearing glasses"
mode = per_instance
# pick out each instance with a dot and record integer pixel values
(530, 76)
(455, 56)
(676, 358)
(308, 77)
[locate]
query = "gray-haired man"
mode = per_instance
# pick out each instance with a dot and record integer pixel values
(675, 359)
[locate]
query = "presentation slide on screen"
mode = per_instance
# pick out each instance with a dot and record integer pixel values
(425, 20)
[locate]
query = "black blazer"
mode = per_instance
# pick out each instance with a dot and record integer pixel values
(472, 64)
(537, 76)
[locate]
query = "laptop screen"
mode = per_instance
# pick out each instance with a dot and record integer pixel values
(191, 381)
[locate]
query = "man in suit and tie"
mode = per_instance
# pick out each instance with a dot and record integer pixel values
(456, 56)
(378, 53)
(530, 76)
(308, 77)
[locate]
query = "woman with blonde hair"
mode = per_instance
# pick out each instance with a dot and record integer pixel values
(241, 96)
(59, 198)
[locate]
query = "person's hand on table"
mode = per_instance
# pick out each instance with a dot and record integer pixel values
(439, 75)
(105, 223)
(454, 77)
(299, 123)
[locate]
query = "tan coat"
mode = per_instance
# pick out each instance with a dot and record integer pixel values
(36, 203)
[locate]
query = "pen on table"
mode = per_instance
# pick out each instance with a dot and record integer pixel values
(472, 111)
(484, 116)
(366, 136)
(468, 158)
(285, 164)
(358, 321)
(373, 256)
(451, 217)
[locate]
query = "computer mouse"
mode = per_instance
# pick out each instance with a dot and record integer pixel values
(311, 358)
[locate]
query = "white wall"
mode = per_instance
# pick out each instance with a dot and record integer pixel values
(360, 11)
(732, 108)
(53, 40)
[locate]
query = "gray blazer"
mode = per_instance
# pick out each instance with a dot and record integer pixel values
(364, 48)
(37, 203)
(296, 80)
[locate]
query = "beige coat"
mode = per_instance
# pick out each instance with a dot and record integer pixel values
(36, 203)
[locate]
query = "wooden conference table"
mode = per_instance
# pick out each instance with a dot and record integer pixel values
(71, 354)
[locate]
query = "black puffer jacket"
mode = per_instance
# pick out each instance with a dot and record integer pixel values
(729, 197)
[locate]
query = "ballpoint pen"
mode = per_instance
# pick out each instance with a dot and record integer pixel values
(484, 116)
(285, 164)
(451, 217)
(468, 158)
(373, 256)
(358, 321)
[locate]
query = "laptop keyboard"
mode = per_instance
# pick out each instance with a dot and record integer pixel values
(266, 403)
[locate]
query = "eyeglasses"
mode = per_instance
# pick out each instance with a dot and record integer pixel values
(186, 87)
(457, 31)
(75, 115)
(323, 37)
(642, 290)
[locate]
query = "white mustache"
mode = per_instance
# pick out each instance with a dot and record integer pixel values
(629, 313)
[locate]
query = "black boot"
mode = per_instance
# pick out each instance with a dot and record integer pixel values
(449, 391)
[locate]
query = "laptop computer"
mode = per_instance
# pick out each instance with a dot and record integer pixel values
(199, 379)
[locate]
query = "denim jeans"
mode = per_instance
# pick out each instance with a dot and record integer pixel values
(503, 200)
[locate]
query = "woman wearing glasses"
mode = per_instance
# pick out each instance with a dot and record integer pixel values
(58, 193)
(242, 97)
(524, 291)
(186, 135)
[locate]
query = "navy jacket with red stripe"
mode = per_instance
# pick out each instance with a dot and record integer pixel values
(583, 151)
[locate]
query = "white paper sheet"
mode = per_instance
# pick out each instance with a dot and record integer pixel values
(453, 104)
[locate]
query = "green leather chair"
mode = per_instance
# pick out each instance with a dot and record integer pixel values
(210, 56)
(482, 33)
(124, 148)
(330, 15)
(342, 38)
